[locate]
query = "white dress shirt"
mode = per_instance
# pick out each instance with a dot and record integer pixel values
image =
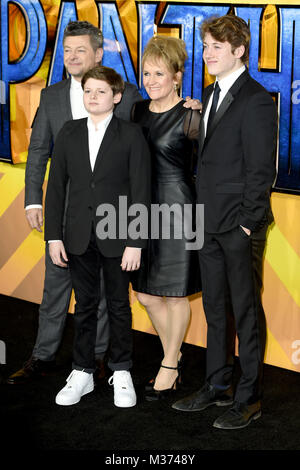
(96, 134)
(76, 99)
(225, 84)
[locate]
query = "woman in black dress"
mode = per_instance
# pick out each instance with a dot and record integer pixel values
(169, 271)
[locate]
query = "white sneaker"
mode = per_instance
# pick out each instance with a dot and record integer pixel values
(79, 383)
(124, 393)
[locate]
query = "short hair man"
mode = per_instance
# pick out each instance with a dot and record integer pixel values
(236, 170)
(102, 157)
(83, 49)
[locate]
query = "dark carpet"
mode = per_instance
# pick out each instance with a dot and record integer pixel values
(30, 419)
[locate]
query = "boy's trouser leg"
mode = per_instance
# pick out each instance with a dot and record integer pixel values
(85, 278)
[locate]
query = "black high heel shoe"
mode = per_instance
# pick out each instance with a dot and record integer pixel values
(149, 385)
(180, 367)
(154, 395)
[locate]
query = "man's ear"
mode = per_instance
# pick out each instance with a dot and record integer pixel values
(117, 98)
(239, 52)
(98, 55)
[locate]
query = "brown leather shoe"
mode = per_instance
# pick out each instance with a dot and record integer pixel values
(238, 416)
(100, 373)
(34, 368)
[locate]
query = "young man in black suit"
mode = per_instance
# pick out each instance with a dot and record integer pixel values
(236, 170)
(102, 157)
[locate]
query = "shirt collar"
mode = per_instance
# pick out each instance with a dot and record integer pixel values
(101, 125)
(75, 84)
(227, 82)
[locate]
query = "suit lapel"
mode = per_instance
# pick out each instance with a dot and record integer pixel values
(226, 103)
(207, 93)
(65, 100)
(228, 99)
(83, 145)
(106, 142)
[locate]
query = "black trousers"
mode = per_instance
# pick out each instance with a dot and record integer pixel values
(84, 271)
(231, 270)
(53, 313)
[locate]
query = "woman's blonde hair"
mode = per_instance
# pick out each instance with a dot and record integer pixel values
(170, 50)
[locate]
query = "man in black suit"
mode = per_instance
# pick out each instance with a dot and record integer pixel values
(103, 157)
(236, 170)
(83, 49)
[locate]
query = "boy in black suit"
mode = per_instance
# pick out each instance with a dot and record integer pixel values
(236, 170)
(102, 157)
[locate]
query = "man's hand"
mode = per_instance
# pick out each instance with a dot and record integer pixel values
(58, 254)
(131, 259)
(193, 104)
(246, 230)
(35, 218)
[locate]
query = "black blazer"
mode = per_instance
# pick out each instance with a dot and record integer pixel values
(122, 168)
(236, 165)
(54, 110)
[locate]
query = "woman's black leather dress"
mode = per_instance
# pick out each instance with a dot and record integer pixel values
(167, 267)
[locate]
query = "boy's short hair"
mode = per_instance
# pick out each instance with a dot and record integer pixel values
(108, 75)
(85, 28)
(230, 28)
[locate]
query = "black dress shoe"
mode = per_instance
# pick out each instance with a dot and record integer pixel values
(34, 368)
(238, 416)
(208, 395)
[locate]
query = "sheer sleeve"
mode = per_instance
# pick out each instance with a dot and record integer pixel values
(191, 124)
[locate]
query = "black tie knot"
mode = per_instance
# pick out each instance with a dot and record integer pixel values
(217, 88)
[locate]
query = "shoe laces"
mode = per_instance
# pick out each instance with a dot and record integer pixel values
(72, 383)
(121, 379)
(111, 380)
(208, 388)
(237, 408)
(70, 376)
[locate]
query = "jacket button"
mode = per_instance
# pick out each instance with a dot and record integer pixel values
(93, 185)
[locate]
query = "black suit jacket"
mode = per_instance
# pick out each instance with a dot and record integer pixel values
(54, 110)
(122, 168)
(236, 166)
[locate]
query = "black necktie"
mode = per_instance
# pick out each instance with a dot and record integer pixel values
(214, 105)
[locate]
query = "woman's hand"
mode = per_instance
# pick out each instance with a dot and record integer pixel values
(193, 104)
